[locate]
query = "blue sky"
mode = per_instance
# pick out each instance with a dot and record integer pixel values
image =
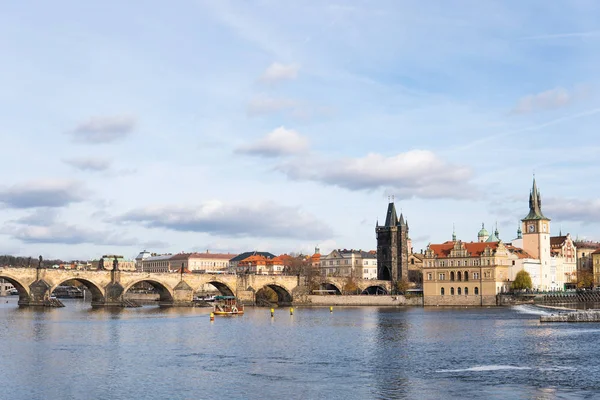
(278, 126)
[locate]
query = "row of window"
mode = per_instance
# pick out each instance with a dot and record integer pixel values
(347, 262)
(459, 291)
(459, 276)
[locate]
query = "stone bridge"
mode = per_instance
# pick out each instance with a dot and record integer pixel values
(35, 285)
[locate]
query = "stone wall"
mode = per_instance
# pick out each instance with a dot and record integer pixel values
(470, 300)
(316, 300)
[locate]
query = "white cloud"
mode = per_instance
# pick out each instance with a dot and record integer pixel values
(103, 129)
(43, 193)
(416, 173)
(278, 72)
(549, 100)
(577, 210)
(60, 233)
(260, 220)
(279, 142)
(88, 163)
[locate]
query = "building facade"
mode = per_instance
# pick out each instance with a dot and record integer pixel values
(350, 263)
(461, 273)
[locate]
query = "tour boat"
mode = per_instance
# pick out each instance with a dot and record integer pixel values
(227, 305)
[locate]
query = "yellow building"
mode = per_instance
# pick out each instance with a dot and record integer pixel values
(596, 267)
(461, 273)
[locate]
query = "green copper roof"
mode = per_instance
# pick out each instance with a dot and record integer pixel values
(535, 205)
(483, 231)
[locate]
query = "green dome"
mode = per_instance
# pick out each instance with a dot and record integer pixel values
(483, 232)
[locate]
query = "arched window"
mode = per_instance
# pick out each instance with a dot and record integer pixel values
(458, 276)
(458, 291)
(452, 276)
(466, 291)
(452, 291)
(466, 276)
(476, 290)
(442, 291)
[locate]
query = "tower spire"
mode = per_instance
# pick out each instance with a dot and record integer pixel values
(535, 204)
(453, 233)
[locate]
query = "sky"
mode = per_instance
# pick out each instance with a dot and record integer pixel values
(232, 126)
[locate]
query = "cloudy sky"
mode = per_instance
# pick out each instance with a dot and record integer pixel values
(278, 126)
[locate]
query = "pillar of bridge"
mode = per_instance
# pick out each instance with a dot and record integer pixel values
(39, 294)
(183, 296)
(113, 296)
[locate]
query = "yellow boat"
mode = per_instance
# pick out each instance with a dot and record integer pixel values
(227, 305)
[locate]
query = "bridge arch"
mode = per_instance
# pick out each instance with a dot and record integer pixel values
(222, 287)
(374, 290)
(329, 286)
(165, 292)
(21, 288)
(284, 297)
(96, 290)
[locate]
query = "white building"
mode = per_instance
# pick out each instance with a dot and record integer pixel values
(349, 263)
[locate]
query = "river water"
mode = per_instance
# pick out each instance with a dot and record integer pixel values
(351, 353)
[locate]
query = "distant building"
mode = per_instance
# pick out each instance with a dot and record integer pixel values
(234, 262)
(156, 263)
(200, 262)
(596, 267)
(349, 263)
(106, 263)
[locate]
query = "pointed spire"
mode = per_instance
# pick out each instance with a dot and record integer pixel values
(453, 233)
(391, 218)
(519, 233)
(401, 220)
(535, 204)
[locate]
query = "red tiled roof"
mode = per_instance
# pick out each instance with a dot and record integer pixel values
(518, 251)
(474, 248)
(557, 241)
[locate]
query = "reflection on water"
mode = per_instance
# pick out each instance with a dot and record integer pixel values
(352, 353)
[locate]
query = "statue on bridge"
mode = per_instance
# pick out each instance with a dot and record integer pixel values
(115, 264)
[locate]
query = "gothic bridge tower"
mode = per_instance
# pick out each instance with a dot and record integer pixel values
(392, 247)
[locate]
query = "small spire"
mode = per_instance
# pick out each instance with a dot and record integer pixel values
(453, 233)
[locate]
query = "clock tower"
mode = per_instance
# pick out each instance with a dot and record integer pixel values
(536, 228)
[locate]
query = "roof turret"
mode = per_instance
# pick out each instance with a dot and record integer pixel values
(483, 232)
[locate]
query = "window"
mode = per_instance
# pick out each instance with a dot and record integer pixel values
(412, 261)
(452, 276)
(442, 277)
(466, 291)
(475, 276)
(442, 291)
(429, 276)
(458, 276)
(452, 263)
(466, 276)
(458, 291)
(452, 291)
(476, 290)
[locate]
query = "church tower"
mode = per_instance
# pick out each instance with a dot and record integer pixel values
(536, 228)
(392, 247)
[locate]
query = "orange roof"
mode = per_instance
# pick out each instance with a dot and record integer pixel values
(518, 251)
(315, 257)
(474, 248)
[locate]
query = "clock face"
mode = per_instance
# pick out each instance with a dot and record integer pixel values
(531, 228)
